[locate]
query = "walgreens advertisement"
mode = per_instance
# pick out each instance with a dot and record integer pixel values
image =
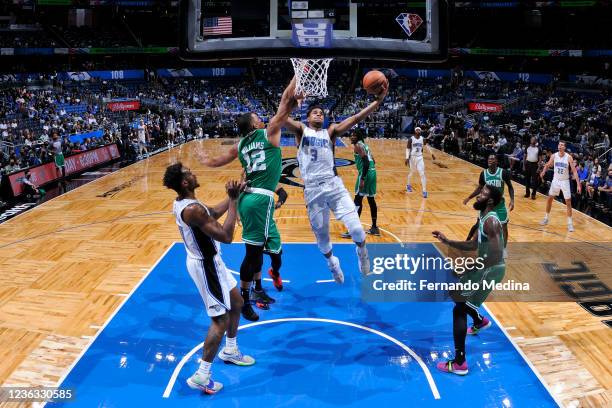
(484, 107)
(74, 164)
(124, 105)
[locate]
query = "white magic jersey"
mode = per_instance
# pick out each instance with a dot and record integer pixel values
(561, 167)
(417, 147)
(316, 156)
(198, 245)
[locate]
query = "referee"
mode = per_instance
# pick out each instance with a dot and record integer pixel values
(530, 165)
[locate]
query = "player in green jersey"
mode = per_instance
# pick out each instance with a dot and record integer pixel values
(496, 177)
(365, 186)
(259, 153)
(489, 244)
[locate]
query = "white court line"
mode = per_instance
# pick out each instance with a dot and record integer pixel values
(432, 384)
(110, 318)
(388, 232)
(325, 280)
(516, 347)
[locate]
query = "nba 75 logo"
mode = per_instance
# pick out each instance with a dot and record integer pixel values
(290, 167)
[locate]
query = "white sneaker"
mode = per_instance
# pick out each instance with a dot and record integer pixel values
(363, 259)
(544, 221)
(207, 385)
(235, 357)
(334, 266)
(570, 227)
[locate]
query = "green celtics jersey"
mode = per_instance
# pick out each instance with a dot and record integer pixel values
(260, 160)
(359, 160)
(495, 180)
(483, 239)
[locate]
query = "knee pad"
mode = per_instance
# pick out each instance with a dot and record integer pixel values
(354, 227)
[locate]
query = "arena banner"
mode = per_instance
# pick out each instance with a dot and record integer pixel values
(312, 34)
(80, 137)
(105, 75)
(509, 52)
(200, 72)
(420, 73)
(484, 107)
(534, 78)
(117, 106)
(47, 173)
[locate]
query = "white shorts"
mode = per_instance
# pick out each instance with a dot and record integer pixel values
(327, 195)
(214, 282)
(417, 163)
(560, 185)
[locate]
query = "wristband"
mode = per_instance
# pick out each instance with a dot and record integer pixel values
(282, 195)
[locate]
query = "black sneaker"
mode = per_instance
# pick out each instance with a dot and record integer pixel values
(345, 235)
(373, 231)
(261, 296)
(248, 313)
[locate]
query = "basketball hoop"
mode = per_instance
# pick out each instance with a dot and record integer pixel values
(311, 76)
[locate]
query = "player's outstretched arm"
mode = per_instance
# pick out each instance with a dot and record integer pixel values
(575, 173)
(481, 183)
(507, 177)
(221, 160)
(408, 151)
(339, 129)
(460, 245)
(195, 215)
(287, 103)
(549, 164)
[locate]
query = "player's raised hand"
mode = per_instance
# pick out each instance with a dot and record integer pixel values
(383, 92)
(439, 236)
(234, 188)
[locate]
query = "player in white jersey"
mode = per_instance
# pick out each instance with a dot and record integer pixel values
(141, 132)
(323, 189)
(414, 159)
(562, 163)
(201, 232)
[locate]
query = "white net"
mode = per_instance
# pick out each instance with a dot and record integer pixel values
(311, 76)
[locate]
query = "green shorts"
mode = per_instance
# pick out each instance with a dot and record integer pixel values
(59, 160)
(258, 226)
(369, 187)
(502, 212)
(492, 275)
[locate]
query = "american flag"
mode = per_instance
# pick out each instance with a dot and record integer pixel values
(217, 25)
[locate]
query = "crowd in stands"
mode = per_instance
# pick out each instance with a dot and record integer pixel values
(179, 109)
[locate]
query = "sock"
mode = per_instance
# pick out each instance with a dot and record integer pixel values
(245, 295)
(204, 369)
(459, 331)
(546, 216)
(476, 317)
(459, 356)
(258, 285)
(230, 343)
(569, 220)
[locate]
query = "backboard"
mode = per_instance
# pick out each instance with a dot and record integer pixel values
(375, 29)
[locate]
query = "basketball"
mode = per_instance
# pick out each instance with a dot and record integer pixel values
(373, 81)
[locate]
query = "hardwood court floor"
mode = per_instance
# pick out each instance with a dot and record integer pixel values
(68, 264)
